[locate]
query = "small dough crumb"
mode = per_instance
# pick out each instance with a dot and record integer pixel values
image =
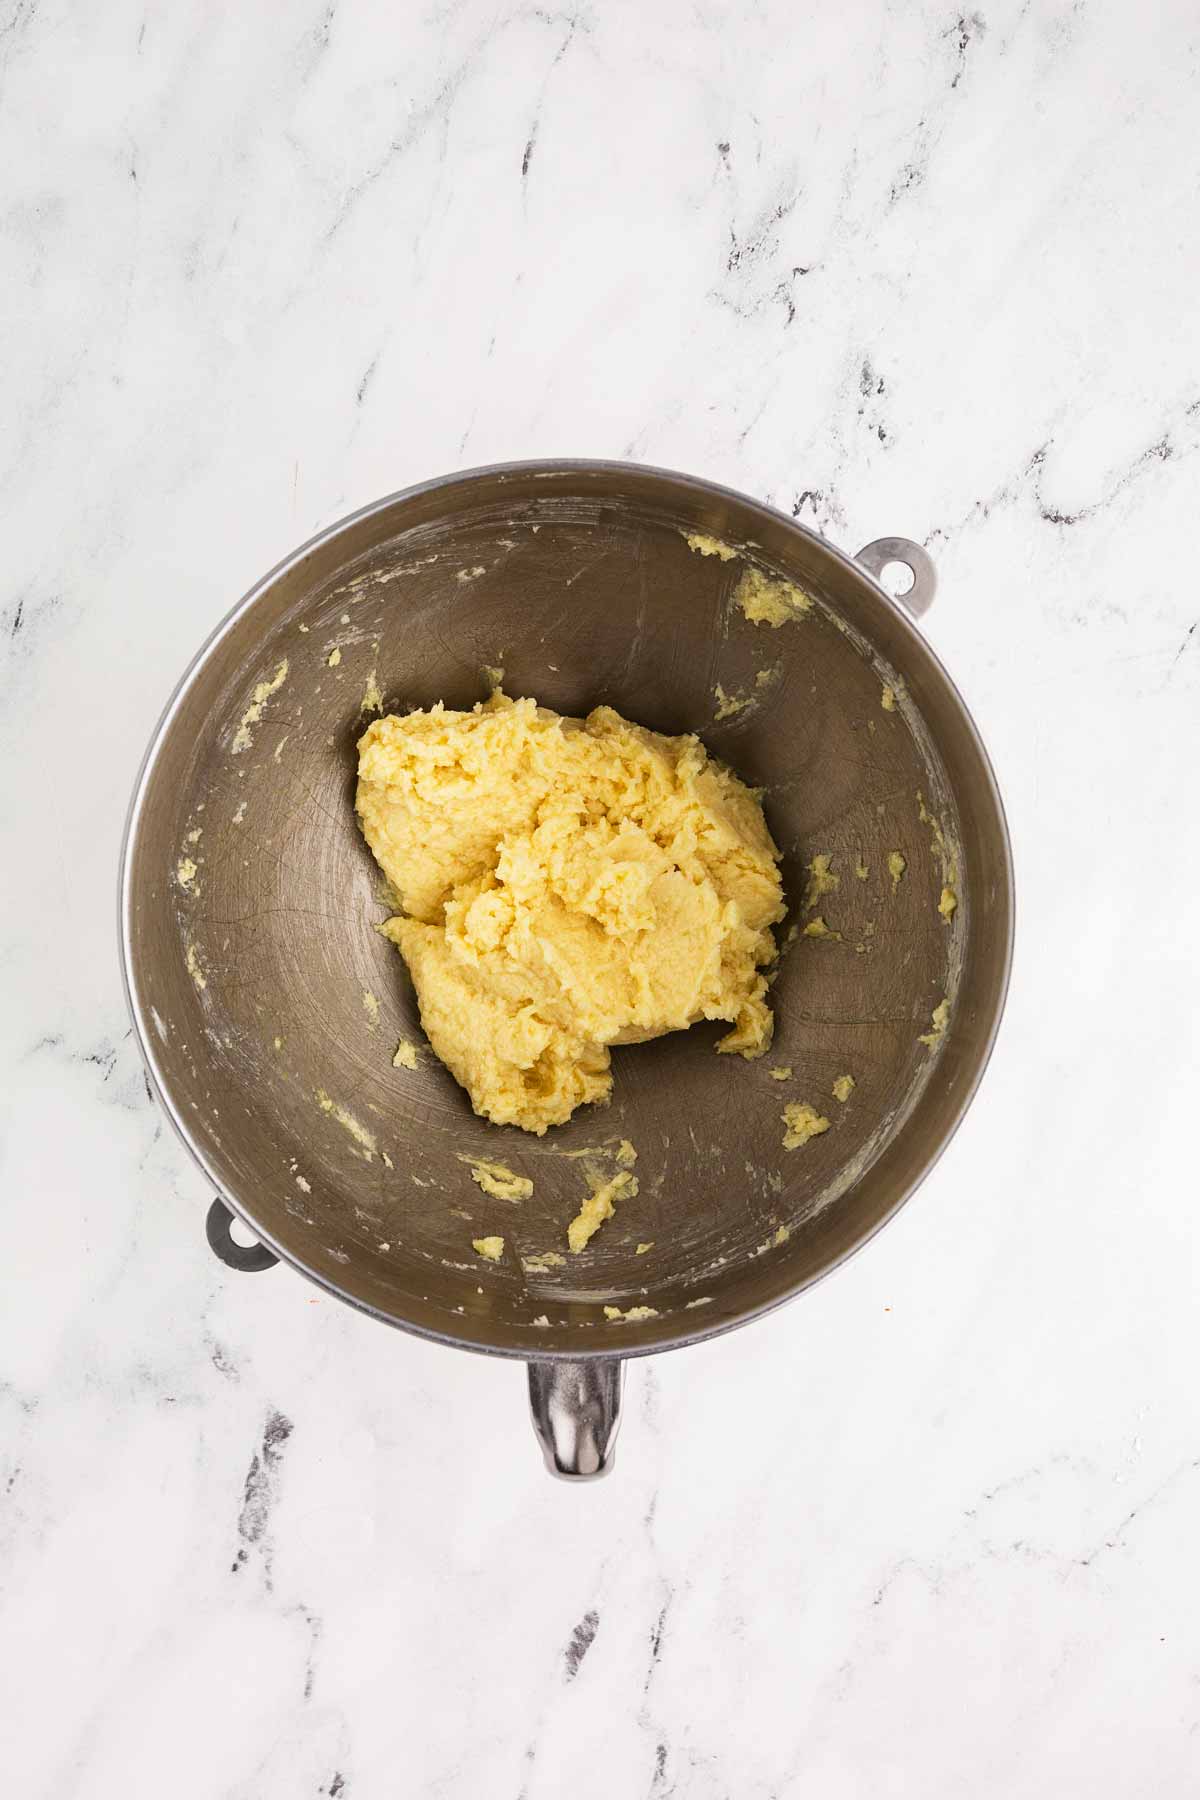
(843, 1087)
(782, 1073)
(371, 1008)
(897, 864)
(888, 699)
(406, 1055)
(599, 1206)
(545, 1259)
(186, 872)
(769, 599)
(631, 1315)
(495, 1179)
(862, 869)
(948, 903)
(939, 1020)
(490, 1248)
(542, 1322)
(709, 546)
(279, 1043)
(782, 1234)
(626, 1155)
(803, 1122)
(817, 928)
(642, 1248)
(334, 657)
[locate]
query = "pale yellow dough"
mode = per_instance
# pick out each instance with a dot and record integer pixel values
(566, 885)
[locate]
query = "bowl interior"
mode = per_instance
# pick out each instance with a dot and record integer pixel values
(271, 1008)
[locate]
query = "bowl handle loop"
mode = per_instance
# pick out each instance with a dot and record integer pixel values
(247, 1257)
(875, 557)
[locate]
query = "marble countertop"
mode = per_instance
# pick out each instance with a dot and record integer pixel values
(930, 1531)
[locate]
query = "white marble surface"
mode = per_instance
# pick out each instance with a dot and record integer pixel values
(931, 1531)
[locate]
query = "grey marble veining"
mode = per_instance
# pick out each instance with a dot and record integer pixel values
(893, 269)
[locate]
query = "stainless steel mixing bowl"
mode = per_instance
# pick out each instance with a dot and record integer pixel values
(268, 1007)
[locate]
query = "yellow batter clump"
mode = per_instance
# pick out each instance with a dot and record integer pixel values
(769, 599)
(803, 1122)
(599, 1206)
(496, 1179)
(566, 885)
(709, 546)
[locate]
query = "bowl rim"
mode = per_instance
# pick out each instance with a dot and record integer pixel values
(695, 1332)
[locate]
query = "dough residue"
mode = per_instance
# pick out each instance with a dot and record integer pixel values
(545, 1259)
(599, 1206)
(728, 705)
(243, 737)
(803, 1123)
(821, 880)
(896, 867)
(497, 1180)
(564, 886)
(406, 1055)
(709, 546)
(817, 928)
(769, 599)
(939, 1020)
(490, 1248)
(843, 1087)
(948, 900)
(362, 1137)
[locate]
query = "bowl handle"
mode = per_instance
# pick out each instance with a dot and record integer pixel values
(875, 557)
(576, 1409)
(249, 1258)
